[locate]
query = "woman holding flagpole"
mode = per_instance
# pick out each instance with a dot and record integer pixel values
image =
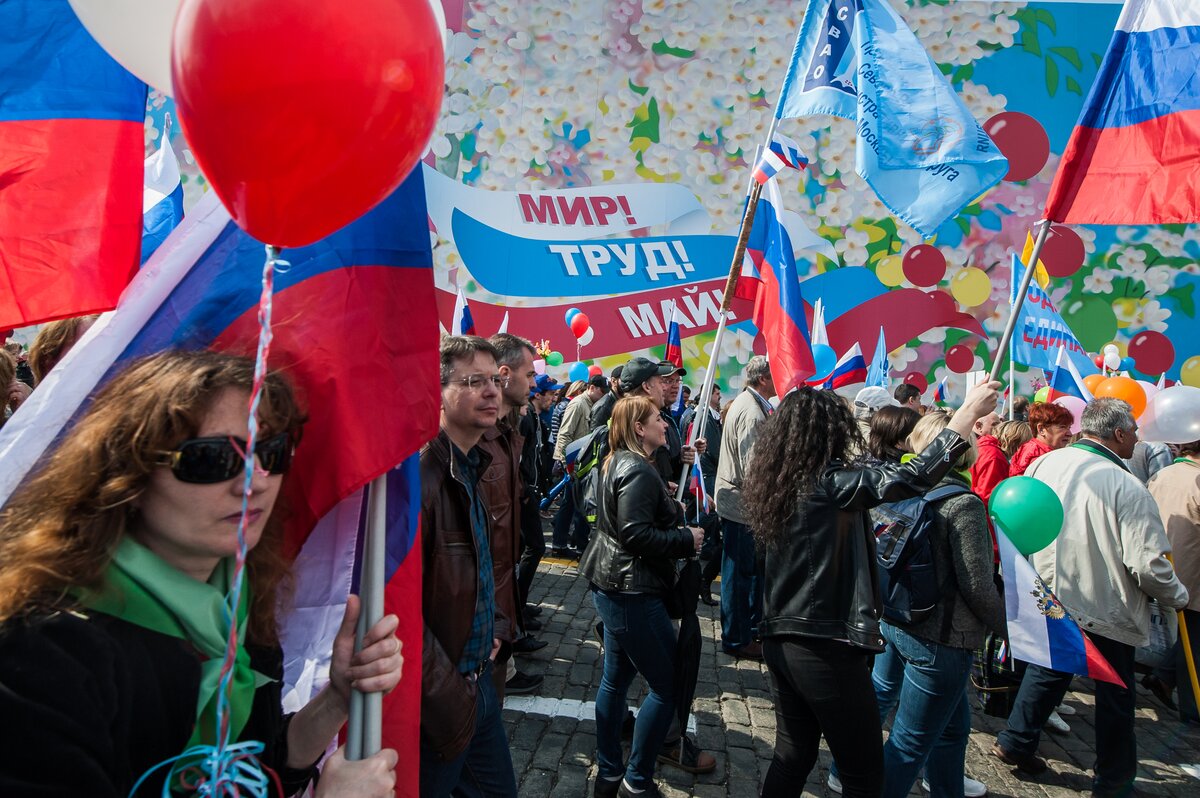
(820, 625)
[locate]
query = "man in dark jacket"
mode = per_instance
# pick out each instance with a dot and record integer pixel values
(602, 410)
(461, 727)
(660, 382)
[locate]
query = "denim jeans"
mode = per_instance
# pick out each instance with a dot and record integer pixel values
(1116, 747)
(638, 638)
(741, 586)
(822, 687)
(485, 768)
(570, 528)
(933, 718)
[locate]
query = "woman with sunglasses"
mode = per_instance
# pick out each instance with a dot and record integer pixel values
(117, 556)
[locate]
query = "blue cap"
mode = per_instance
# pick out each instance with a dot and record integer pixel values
(543, 383)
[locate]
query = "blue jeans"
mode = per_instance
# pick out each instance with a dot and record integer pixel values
(741, 586)
(485, 768)
(638, 638)
(569, 528)
(933, 719)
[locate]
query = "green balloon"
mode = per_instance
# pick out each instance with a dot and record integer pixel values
(554, 359)
(1043, 394)
(1028, 511)
(1092, 320)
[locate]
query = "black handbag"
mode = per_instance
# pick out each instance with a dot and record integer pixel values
(996, 677)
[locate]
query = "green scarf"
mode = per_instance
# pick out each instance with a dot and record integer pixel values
(1088, 445)
(140, 588)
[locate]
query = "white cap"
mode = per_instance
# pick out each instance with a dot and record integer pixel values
(874, 398)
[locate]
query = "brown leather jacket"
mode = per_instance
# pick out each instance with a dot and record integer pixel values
(449, 591)
(501, 489)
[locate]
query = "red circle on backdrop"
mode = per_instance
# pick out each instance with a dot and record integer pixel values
(1023, 141)
(1062, 254)
(1152, 352)
(917, 380)
(924, 265)
(595, 371)
(580, 324)
(960, 358)
(5, 335)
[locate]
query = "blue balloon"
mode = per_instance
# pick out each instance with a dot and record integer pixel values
(1126, 364)
(824, 360)
(571, 314)
(579, 371)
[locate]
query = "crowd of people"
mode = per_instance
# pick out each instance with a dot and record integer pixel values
(107, 650)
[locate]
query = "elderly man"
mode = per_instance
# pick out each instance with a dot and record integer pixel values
(1105, 566)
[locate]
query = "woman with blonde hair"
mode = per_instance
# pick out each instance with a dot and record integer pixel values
(53, 341)
(118, 556)
(630, 561)
(1012, 435)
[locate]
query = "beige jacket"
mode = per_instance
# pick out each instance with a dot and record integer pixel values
(1109, 560)
(737, 438)
(1176, 488)
(574, 425)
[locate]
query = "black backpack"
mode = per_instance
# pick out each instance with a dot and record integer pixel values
(586, 456)
(907, 577)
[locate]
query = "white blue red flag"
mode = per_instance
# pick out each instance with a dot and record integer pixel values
(1134, 156)
(769, 164)
(879, 375)
(162, 197)
(697, 489)
(939, 393)
(918, 147)
(461, 322)
(851, 368)
(72, 143)
(356, 331)
(1065, 380)
(1040, 628)
(674, 350)
(788, 150)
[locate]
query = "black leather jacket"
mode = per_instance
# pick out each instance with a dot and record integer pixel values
(821, 582)
(639, 530)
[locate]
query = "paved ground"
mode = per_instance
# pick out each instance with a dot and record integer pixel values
(553, 741)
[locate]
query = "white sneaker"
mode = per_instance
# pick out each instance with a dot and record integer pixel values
(1057, 725)
(971, 787)
(835, 784)
(1065, 709)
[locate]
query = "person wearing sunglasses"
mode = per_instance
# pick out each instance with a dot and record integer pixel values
(117, 559)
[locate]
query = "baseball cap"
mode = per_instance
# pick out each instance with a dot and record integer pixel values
(874, 398)
(682, 372)
(599, 381)
(640, 369)
(543, 383)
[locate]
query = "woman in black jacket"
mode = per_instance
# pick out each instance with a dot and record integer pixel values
(630, 561)
(821, 607)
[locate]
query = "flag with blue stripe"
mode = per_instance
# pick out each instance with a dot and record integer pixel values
(162, 197)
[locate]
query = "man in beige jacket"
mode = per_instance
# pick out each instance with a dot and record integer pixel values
(1105, 566)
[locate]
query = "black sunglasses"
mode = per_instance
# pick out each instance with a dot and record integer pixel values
(205, 461)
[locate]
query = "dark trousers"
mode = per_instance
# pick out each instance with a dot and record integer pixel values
(741, 586)
(570, 528)
(485, 768)
(1116, 747)
(710, 549)
(823, 687)
(533, 547)
(1175, 671)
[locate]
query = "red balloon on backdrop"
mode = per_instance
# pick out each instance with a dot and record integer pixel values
(1023, 141)
(1152, 352)
(580, 324)
(924, 265)
(304, 116)
(1062, 254)
(917, 380)
(595, 371)
(960, 358)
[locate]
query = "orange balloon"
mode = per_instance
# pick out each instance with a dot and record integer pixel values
(1092, 381)
(1125, 389)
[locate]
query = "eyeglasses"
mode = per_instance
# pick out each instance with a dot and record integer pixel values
(206, 461)
(476, 382)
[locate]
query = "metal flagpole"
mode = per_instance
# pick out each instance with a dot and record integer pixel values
(1019, 301)
(364, 732)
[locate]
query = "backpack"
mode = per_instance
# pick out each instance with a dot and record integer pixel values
(907, 577)
(584, 458)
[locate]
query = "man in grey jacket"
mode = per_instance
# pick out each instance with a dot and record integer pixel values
(1105, 566)
(741, 568)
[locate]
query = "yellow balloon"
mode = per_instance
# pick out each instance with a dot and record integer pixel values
(1122, 347)
(890, 270)
(971, 287)
(1190, 373)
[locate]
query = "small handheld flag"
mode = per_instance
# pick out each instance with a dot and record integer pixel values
(696, 488)
(674, 353)
(769, 165)
(939, 393)
(850, 369)
(879, 374)
(1065, 379)
(462, 323)
(788, 150)
(162, 195)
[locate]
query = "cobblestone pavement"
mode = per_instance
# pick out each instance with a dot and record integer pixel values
(553, 741)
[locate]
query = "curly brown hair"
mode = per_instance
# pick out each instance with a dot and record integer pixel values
(792, 448)
(60, 530)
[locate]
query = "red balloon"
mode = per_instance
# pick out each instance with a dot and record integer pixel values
(1152, 352)
(1099, 361)
(305, 115)
(917, 380)
(1023, 141)
(595, 371)
(580, 324)
(960, 358)
(1062, 254)
(924, 265)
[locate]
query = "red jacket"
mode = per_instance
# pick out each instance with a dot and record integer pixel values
(1031, 450)
(990, 469)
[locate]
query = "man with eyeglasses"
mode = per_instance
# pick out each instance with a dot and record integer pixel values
(463, 743)
(1105, 566)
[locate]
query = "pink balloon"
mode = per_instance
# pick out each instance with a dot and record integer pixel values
(1149, 387)
(1075, 405)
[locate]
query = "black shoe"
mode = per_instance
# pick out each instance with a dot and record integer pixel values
(686, 755)
(605, 788)
(532, 610)
(706, 595)
(1161, 690)
(522, 683)
(532, 624)
(528, 644)
(1032, 764)
(564, 554)
(650, 792)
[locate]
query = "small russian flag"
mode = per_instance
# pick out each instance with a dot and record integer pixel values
(851, 368)
(788, 150)
(1065, 379)
(939, 393)
(674, 354)
(462, 323)
(769, 165)
(696, 487)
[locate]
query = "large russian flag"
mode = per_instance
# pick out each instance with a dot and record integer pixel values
(71, 148)
(1134, 156)
(356, 330)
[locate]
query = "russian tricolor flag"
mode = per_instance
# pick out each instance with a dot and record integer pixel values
(939, 393)
(461, 322)
(851, 368)
(71, 151)
(1040, 630)
(1134, 156)
(697, 489)
(769, 164)
(162, 197)
(674, 352)
(788, 150)
(1065, 379)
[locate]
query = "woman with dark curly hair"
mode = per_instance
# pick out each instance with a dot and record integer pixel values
(1051, 426)
(820, 626)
